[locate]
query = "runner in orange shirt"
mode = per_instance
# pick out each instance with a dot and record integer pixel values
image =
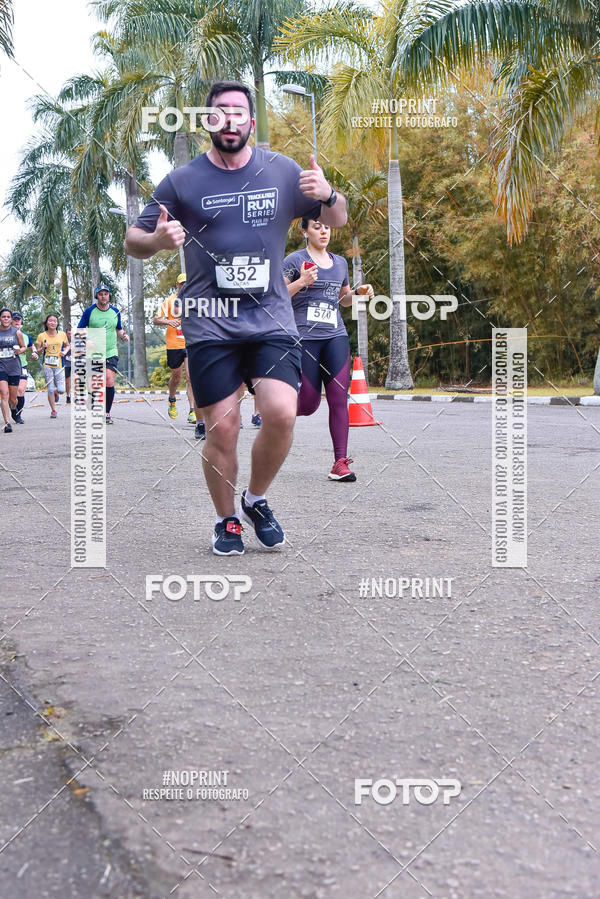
(169, 316)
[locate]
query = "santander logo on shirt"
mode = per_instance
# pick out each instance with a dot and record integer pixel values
(258, 206)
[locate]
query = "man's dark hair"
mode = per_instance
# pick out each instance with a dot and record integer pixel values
(219, 87)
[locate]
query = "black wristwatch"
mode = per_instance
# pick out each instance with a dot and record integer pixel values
(331, 199)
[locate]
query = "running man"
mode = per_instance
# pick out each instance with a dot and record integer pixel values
(169, 316)
(232, 208)
(102, 315)
(54, 345)
(17, 320)
(318, 285)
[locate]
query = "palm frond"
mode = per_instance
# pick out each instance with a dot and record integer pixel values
(532, 127)
(344, 31)
(465, 37)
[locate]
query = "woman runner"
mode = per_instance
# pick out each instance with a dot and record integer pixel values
(17, 320)
(11, 347)
(318, 284)
(55, 346)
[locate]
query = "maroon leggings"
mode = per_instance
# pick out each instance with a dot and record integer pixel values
(327, 362)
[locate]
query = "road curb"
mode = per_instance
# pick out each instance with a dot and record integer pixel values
(472, 398)
(428, 398)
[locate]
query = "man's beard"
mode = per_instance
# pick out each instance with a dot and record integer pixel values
(232, 146)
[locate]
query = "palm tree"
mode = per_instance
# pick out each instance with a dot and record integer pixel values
(251, 29)
(364, 46)
(68, 120)
(41, 196)
(114, 144)
(546, 69)
(6, 24)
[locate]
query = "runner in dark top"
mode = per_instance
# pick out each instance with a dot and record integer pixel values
(231, 209)
(17, 320)
(318, 284)
(11, 347)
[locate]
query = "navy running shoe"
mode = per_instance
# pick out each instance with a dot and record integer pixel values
(227, 538)
(269, 532)
(200, 431)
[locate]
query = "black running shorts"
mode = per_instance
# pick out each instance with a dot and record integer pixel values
(219, 367)
(176, 358)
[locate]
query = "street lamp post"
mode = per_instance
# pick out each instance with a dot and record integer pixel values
(302, 92)
(118, 211)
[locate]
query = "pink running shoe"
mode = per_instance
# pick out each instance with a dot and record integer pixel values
(341, 472)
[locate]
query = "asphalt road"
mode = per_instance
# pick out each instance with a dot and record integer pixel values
(302, 685)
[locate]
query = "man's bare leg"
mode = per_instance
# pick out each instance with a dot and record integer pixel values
(219, 460)
(174, 381)
(277, 402)
(190, 394)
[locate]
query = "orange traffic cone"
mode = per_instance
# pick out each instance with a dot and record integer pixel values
(360, 412)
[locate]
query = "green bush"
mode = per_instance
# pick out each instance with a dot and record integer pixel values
(161, 374)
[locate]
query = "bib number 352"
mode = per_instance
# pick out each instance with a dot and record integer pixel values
(243, 274)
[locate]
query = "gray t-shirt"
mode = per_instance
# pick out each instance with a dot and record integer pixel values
(316, 307)
(9, 363)
(237, 222)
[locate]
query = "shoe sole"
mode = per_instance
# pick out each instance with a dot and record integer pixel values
(243, 517)
(232, 552)
(344, 477)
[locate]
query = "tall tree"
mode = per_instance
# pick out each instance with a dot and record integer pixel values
(362, 45)
(41, 196)
(546, 66)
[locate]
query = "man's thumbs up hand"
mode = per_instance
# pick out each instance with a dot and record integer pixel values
(313, 182)
(169, 235)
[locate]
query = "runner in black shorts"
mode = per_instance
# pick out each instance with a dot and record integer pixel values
(232, 208)
(11, 347)
(318, 284)
(168, 315)
(17, 320)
